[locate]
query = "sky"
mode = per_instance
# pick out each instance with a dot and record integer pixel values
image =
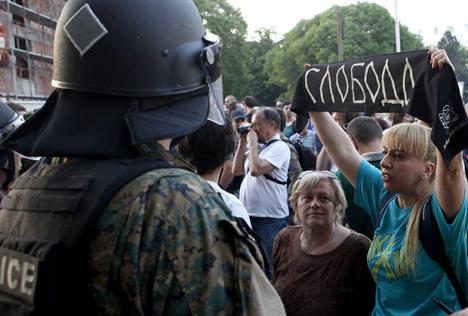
(428, 18)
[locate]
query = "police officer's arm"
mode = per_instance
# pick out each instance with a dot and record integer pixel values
(238, 161)
(257, 166)
(338, 145)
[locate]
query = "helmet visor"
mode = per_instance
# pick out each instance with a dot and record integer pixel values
(211, 64)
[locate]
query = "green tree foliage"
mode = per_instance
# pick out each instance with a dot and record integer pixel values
(264, 92)
(220, 18)
(458, 55)
(368, 29)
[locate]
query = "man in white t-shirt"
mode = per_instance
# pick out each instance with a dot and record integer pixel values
(264, 188)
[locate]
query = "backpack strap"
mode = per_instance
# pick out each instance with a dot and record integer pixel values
(431, 240)
(269, 143)
(269, 177)
(266, 175)
(383, 206)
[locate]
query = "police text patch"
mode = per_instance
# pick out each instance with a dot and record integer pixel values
(18, 274)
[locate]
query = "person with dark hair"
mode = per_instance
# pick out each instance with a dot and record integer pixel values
(398, 118)
(343, 118)
(249, 103)
(234, 106)
(238, 118)
(290, 125)
(366, 135)
(229, 100)
(264, 188)
(382, 122)
(250, 115)
(280, 103)
(307, 138)
(208, 149)
(294, 164)
(365, 132)
(110, 222)
(228, 181)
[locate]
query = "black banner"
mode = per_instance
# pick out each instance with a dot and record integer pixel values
(400, 82)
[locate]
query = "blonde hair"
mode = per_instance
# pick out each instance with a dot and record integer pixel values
(413, 139)
(307, 182)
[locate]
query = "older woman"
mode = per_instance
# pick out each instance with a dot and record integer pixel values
(320, 266)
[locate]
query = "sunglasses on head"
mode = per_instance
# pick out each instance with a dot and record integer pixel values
(325, 173)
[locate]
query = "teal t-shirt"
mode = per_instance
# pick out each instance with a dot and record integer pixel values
(401, 289)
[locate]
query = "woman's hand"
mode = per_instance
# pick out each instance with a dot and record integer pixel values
(439, 57)
(463, 312)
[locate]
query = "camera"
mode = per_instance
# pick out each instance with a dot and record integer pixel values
(244, 129)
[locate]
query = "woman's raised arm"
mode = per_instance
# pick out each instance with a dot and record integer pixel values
(450, 184)
(338, 145)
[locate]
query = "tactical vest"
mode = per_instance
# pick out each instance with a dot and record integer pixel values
(46, 225)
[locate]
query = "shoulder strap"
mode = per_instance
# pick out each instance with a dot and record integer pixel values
(383, 205)
(431, 240)
(269, 143)
(266, 175)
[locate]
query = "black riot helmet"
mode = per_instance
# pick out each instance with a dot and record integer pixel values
(9, 121)
(126, 72)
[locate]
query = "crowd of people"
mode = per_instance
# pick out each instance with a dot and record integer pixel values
(403, 162)
(152, 196)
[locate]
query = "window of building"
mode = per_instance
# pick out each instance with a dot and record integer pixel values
(22, 68)
(20, 2)
(21, 43)
(18, 20)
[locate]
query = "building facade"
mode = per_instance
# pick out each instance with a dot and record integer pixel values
(26, 47)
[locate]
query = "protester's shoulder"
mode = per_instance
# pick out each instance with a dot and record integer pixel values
(283, 146)
(359, 241)
(288, 233)
(367, 169)
(294, 138)
(284, 239)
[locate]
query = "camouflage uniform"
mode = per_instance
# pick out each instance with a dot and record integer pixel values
(167, 244)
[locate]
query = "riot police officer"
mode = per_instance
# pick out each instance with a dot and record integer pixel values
(109, 222)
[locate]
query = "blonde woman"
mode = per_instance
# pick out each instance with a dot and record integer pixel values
(412, 168)
(319, 266)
